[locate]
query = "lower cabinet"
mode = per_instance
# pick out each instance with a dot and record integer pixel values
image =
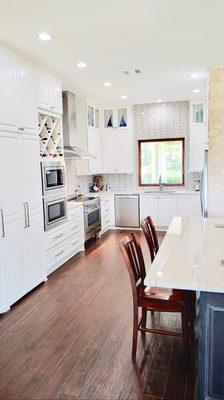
(66, 240)
(163, 208)
(107, 213)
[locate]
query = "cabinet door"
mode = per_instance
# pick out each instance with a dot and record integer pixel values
(149, 207)
(198, 144)
(26, 98)
(109, 156)
(15, 258)
(10, 176)
(123, 143)
(34, 236)
(43, 90)
(94, 148)
(167, 209)
(7, 92)
(30, 172)
(186, 206)
(55, 94)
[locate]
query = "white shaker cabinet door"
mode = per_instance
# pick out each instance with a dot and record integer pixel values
(43, 90)
(55, 94)
(149, 207)
(167, 206)
(10, 176)
(109, 155)
(26, 97)
(31, 172)
(7, 90)
(34, 236)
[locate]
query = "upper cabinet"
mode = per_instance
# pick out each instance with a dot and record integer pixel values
(7, 92)
(116, 118)
(26, 99)
(198, 135)
(93, 117)
(18, 109)
(49, 92)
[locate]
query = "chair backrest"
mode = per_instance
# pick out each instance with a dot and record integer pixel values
(134, 260)
(151, 236)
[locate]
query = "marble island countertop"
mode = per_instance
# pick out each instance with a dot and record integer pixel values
(191, 256)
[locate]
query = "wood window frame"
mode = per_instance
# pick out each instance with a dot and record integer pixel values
(182, 139)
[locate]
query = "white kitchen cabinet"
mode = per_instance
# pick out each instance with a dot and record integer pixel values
(22, 247)
(34, 245)
(198, 145)
(117, 152)
(26, 98)
(161, 208)
(94, 148)
(7, 90)
(66, 240)
(107, 213)
(49, 92)
(149, 207)
(167, 209)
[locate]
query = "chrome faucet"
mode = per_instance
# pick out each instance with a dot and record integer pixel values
(160, 183)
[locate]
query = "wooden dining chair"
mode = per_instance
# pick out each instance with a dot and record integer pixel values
(150, 236)
(153, 245)
(151, 298)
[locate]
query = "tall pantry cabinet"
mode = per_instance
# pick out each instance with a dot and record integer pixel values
(21, 215)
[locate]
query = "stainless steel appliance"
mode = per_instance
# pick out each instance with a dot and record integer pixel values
(53, 177)
(127, 210)
(55, 211)
(69, 120)
(92, 216)
(204, 188)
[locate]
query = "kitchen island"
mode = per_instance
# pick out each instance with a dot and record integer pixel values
(191, 257)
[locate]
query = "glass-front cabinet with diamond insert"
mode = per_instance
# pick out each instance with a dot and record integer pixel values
(116, 118)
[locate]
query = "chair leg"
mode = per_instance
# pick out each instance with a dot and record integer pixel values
(186, 334)
(144, 319)
(135, 333)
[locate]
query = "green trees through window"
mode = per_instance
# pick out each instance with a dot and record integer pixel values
(161, 159)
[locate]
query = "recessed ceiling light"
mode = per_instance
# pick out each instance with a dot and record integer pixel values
(194, 76)
(45, 36)
(81, 64)
(196, 91)
(124, 96)
(159, 101)
(107, 83)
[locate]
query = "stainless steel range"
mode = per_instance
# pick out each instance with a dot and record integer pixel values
(92, 215)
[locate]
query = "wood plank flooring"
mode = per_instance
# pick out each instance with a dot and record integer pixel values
(71, 337)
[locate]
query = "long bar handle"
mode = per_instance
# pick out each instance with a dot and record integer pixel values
(3, 224)
(25, 215)
(28, 214)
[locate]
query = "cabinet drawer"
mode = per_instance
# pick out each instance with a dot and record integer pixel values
(75, 213)
(58, 253)
(57, 236)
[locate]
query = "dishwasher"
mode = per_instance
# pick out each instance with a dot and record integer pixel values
(127, 210)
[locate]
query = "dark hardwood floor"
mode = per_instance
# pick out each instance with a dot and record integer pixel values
(71, 337)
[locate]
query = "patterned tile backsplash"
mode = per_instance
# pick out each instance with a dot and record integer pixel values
(157, 120)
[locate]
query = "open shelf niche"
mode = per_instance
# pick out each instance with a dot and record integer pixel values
(50, 134)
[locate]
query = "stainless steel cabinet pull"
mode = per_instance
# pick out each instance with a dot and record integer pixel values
(26, 214)
(107, 210)
(57, 255)
(3, 224)
(107, 221)
(58, 236)
(73, 244)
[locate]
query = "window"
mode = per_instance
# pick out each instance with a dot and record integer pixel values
(161, 160)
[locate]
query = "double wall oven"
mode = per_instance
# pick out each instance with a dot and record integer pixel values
(54, 194)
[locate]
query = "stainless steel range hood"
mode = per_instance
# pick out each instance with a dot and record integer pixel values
(71, 150)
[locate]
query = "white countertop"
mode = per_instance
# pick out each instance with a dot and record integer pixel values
(112, 192)
(191, 256)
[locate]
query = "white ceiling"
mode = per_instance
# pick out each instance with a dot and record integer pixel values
(166, 39)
